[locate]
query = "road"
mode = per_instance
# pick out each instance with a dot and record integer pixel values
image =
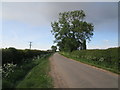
(69, 73)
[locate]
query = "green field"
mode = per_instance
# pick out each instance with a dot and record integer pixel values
(106, 58)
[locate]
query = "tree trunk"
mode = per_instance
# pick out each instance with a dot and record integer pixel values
(84, 45)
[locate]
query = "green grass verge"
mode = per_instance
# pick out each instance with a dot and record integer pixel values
(39, 76)
(103, 65)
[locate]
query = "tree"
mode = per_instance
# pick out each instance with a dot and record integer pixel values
(71, 31)
(54, 48)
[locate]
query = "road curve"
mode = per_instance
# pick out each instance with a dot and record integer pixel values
(68, 73)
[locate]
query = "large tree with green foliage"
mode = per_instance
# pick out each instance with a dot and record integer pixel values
(54, 48)
(71, 31)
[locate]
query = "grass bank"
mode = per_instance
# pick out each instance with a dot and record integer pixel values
(38, 77)
(30, 73)
(107, 59)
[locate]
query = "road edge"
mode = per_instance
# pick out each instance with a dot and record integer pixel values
(95, 67)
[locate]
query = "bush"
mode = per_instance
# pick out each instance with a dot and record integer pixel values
(109, 55)
(12, 55)
(7, 84)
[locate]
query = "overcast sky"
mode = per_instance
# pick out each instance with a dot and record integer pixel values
(31, 21)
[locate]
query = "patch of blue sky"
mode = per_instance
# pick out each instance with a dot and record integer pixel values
(17, 33)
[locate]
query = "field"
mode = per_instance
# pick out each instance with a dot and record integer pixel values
(20, 65)
(103, 58)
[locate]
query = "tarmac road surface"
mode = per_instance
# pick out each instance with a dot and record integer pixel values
(68, 73)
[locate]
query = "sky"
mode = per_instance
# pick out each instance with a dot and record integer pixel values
(23, 22)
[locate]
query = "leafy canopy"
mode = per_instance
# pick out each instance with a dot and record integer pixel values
(71, 31)
(54, 48)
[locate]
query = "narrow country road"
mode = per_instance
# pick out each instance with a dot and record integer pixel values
(68, 73)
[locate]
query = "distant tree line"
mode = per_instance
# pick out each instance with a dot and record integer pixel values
(71, 31)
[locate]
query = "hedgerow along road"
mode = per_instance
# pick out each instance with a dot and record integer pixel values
(69, 73)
